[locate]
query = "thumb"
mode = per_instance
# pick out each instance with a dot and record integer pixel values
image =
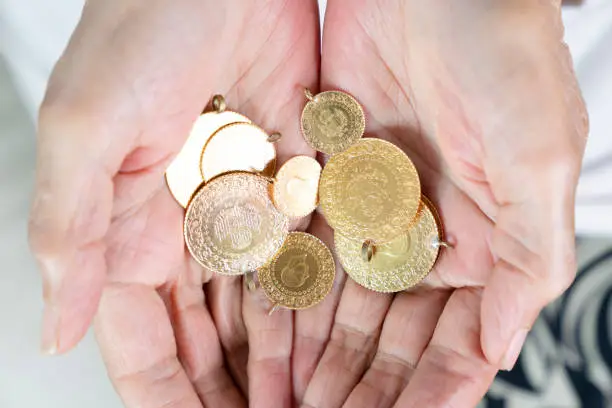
(71, 212)
(534, 246)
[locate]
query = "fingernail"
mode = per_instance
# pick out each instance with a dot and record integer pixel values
(514, 349)
(50, 331)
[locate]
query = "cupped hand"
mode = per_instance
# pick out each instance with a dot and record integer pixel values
(484, 100)
(106, 231)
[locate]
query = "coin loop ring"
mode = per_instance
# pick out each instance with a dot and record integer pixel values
(396, 265)
(332, 121)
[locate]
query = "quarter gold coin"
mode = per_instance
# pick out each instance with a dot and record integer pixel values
(398, 264)
(183, 176)
(296, 186)
(231, 225)
(301, 274)
(332, 121)
(371, 191)
(238, 146)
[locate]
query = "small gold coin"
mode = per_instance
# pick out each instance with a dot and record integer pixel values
(301, 274)
(371, 191)
(398, 264)
(332, 121)
(296, 186)
(231, 225)
(238, 146)
(183, 176)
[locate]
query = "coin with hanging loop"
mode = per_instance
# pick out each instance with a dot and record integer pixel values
(398, 264)
(183, 176)
(239, 146)
(371, 191)
(332, 121)
(231, 225)
(301, 274)
(295, 187)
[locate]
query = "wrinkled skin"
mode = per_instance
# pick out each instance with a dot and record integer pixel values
(483, 99)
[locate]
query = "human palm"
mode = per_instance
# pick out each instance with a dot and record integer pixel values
(484, 100)
(440, 87)
(104, 227)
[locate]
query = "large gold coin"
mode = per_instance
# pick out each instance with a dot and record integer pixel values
(396, 265)
(371, 191)
(231, 225)
(332, 121)
(238, 146)
(295, 188)
(301, 274)
(183, 176)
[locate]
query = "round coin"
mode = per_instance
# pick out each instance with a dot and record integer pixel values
(371, 191)
(183, 176)
(398, 264)
(238, 146)
(296, 186)
(231, 225)
(301, 274)
(332, 121)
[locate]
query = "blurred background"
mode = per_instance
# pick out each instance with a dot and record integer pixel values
(567, 359)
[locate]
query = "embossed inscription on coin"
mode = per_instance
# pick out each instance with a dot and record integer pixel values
(295, 189)
(370, 191)
(231, 226)
(183, 176)
(399, 264)
(301, 274)
(332, 121)
(238, 146)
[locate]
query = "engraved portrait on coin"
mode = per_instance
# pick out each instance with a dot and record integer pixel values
(332, 121)
(371, 191)
(398, 264)
(301, 274)
(231, 225)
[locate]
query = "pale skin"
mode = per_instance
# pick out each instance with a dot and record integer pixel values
(483, 99)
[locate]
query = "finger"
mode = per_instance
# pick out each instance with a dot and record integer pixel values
(270, 342)
(225, 299)
(352, 344)
(137, 344)
(452, 371)
(90, 127)
(198, 343)
(407, 330)
(313, 326)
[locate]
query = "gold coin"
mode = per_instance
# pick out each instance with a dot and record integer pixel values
(398, 264)
(301, 274)
(370, 191)
(231, 225)
(238, 146)
(183, 176)
(332, 121)
(296, 186)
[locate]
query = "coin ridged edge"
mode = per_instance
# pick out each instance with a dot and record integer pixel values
(358, 274)
(281, 223)
(360, 126)
(321, 288)
(329, 189)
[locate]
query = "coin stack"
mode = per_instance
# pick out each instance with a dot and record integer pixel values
(238, 209)
(387, 234)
